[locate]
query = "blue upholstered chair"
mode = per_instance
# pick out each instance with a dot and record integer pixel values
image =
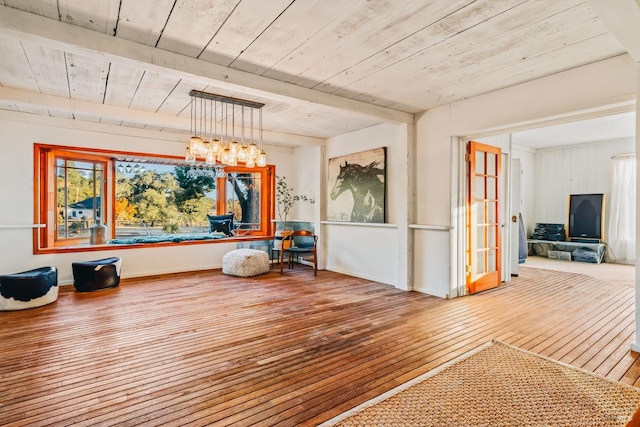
(302, 242)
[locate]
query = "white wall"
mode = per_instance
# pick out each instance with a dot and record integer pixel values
(591, 89)
(16, 176)
(306, 180)
(372, 251)
(432, 246)
(575, 169)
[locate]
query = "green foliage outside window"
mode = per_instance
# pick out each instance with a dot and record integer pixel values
(163, 199)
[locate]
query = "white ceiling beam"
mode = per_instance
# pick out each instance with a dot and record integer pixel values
(87, 108)
(72, 38)
(622, 17)
(112, 113)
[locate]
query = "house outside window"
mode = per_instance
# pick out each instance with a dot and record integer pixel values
(79, 186)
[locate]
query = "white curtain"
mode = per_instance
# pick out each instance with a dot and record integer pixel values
(622, 213)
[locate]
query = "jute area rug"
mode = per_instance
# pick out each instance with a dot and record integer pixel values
(500, 385)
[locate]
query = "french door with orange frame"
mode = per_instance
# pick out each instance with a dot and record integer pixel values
(483, 270)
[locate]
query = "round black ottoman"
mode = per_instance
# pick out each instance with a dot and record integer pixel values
(28, 289)
(99, 274)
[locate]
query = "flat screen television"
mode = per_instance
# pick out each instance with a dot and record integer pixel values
(586, 216)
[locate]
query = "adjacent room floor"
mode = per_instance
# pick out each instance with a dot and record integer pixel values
(619, 273)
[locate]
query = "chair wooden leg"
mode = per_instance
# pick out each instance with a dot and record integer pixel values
(281, 260)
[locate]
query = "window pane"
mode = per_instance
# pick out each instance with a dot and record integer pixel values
(78, 197)
(154, 199)
(243, 200)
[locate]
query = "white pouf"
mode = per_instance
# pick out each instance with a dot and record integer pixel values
(245, 262)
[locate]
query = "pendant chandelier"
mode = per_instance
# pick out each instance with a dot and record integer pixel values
(216, 140)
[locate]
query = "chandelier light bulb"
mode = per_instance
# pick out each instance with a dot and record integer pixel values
(189, 157)
(200, 148)
(193, 143)
(252, 150)
(243, 153)
(233, 147)
(224, 158)
(210, 158)
(261, 161)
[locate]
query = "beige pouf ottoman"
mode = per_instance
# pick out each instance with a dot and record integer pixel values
(245, 262)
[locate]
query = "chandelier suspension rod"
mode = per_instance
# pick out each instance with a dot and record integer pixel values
(226, 99)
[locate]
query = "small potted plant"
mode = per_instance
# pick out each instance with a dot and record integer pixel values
(285, 200)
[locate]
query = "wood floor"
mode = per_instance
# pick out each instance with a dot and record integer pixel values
(207, 349)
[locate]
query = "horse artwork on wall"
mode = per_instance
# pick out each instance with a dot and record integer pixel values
(357, 187)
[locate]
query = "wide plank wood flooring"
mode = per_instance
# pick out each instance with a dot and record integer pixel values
(203, 348)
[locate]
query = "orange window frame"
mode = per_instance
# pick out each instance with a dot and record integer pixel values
(48, 211)
(45, 210)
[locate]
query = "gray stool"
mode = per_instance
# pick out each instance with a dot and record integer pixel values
(28, 289)
(245, 262)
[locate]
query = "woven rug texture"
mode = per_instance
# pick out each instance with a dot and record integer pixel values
(500, 385)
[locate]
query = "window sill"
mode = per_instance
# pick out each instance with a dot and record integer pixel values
(86, 247)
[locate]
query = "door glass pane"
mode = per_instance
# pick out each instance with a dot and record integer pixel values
(480, 237)
(491, 164)
(491, 236)
(491, 213)
(480, 162)
(479, 190)
(480, 262)
(491, 188)
(491, 261)
(480, 213)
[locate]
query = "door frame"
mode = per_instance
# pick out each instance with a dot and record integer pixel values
(515, 176)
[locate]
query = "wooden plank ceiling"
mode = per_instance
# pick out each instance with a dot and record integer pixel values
(322, 67)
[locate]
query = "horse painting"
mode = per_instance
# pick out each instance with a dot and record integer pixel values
(366, 184)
